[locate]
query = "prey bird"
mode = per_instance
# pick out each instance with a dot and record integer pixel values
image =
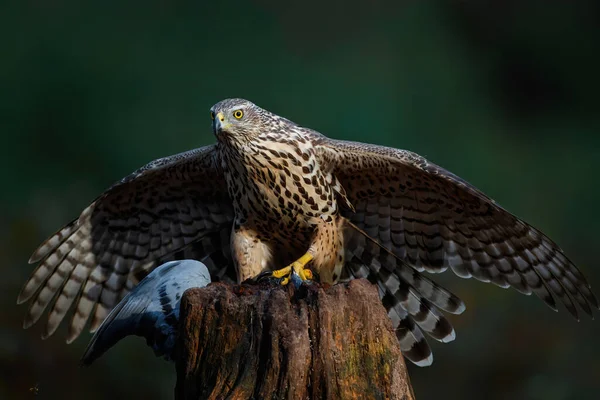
(277, 198)
(150, 310)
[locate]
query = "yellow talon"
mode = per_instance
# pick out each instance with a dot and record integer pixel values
(302, 261)
(280, 273)
(307, 274)
(304, 274)
(298, 267)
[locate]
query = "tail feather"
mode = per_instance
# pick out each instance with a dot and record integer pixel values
(411, 300)
(412, 342)
(400, 293)
(389, 265)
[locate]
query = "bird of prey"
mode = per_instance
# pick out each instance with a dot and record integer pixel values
(150, 310)
(272, 195)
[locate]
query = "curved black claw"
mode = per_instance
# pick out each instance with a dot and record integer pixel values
(268, 278)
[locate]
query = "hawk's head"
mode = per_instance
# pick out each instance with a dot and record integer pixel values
(237, 120)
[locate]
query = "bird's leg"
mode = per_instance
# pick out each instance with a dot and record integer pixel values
(298, 267)
(325, 255)
(251, 256)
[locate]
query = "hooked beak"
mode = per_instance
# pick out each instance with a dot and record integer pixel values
(219, 123)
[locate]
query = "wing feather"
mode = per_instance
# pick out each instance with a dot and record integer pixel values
(138, 223)
(435, 220)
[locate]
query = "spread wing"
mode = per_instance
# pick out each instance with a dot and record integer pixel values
(434, 220)
(168, 205)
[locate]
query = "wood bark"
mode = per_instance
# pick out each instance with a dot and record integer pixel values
(252, 342)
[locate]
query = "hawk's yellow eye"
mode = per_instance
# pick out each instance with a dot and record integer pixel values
(212, 115)
(238, 114)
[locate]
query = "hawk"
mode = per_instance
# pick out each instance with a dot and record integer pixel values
(271, 195)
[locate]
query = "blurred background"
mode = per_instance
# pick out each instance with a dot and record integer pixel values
(503, 93)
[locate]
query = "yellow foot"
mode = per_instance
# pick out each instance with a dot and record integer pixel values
(297, 266)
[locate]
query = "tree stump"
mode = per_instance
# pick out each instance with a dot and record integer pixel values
(247, 342)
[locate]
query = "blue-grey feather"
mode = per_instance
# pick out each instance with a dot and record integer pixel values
(150, 310)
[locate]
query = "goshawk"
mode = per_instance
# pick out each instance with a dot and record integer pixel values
(271, 195)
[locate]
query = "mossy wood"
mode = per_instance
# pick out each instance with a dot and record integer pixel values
(246, 342)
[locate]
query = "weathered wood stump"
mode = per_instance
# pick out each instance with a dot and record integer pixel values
(243, 342)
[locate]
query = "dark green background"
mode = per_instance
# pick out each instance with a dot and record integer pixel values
(503, 93)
